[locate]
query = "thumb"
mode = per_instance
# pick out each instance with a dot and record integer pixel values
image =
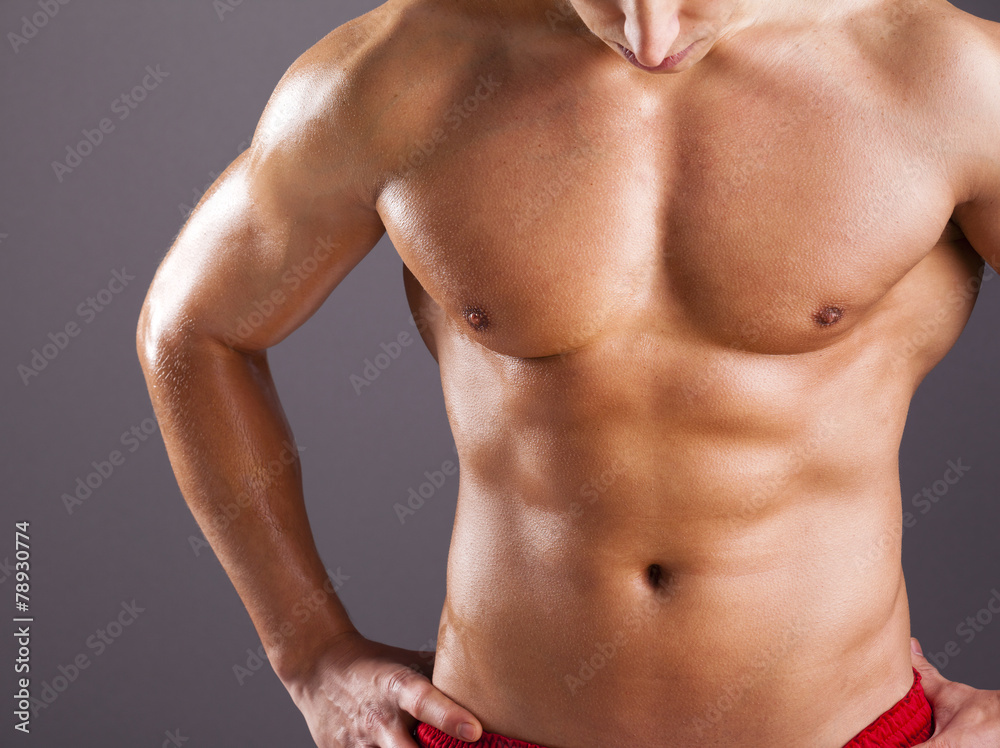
(420, 698)
(930, 678)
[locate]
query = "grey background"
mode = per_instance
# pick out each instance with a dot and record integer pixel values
(172, 669)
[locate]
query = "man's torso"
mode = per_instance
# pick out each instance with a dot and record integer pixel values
(679, 321)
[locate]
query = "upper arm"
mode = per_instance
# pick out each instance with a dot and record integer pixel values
(282, 226)
(979, 214)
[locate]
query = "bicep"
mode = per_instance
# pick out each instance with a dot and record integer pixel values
(276, 233)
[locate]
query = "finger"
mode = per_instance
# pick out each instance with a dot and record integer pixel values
(930, 678)
(418, 696)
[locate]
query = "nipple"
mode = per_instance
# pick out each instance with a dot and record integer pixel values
(476, 317)
(828, 315)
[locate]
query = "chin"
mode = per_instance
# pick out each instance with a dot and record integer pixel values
(688, 61)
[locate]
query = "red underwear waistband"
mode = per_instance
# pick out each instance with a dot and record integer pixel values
(431, 737)
(907, 723)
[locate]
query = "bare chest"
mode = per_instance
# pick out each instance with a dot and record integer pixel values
(770, 220)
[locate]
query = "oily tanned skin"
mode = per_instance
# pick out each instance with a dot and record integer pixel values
(679, 318)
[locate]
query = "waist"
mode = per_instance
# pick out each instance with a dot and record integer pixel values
(908, 722)
(557, 628)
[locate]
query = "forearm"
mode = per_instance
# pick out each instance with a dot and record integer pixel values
(232, 452)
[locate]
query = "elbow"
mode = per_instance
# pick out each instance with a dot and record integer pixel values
(144, 345)
(150, 335)
(173, 339)
(162, 332)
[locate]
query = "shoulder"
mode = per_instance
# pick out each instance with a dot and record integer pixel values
(371, 82)
(926, 43)
(940, 66)
(961, 47)
(970, 58)
(324, 95)
(966, 103)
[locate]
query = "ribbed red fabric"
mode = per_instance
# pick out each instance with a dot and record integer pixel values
(431, 737)
(907, 723)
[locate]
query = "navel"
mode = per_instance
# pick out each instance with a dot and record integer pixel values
(662, 588)
(654, 574)
(828, 315)
(476, 317)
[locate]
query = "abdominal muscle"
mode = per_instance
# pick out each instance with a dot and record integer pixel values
(643, 556)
